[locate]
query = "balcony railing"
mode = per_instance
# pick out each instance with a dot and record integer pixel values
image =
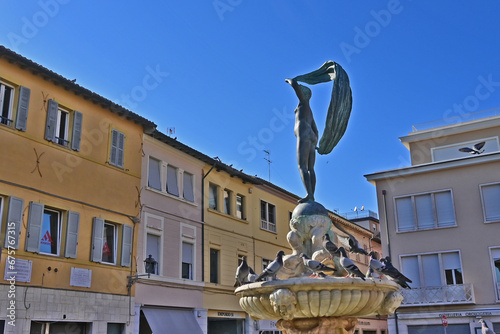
(267, 226)
(447, 294)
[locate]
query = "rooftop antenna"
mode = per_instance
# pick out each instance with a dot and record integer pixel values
(268, 159)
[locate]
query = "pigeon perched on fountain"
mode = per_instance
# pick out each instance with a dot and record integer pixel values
(272, 268)
(330, 246)
(393, 274)
(375, 267)
(242, 272)
(348, 265)
(317, 267)
(484, 327)
(476, 149)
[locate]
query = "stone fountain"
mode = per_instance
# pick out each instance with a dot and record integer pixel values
(330, 304)
(302, 304)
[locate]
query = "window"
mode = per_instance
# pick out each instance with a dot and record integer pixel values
(57, 127)
(268, 216)
(495, 263)
(438, 329)
(51, 232)
(188, 186)
(44, 231)
(115, 328)
(117, 148)
(38, 327)
(240, 206)
(227, 201)
(154, 176)
(109, 245)
(423, 269)
(105, 242)
(6, 102)
(212, 196)
(425, 211)
(172, 181)
(490, 194)
(214, 265)
(187, 260)
(153, 247)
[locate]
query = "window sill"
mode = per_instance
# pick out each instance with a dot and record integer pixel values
(428, 229)
(228, 216)
(177, 198)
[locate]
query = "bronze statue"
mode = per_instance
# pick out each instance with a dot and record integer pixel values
(305, 129)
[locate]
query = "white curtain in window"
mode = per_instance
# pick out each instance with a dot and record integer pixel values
(491, 202)
(154, 174)
(410, 269)
(431, 271)
(406, 219)
(187, 185)
(425, 211)
(172, 186)
(451, 261)
(444, 208)
(187, 253)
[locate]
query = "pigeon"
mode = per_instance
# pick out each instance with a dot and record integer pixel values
(484, 327)
(476, 149)
(252, 276)
(348, 265)
(375, 267)
(330, 246)
(272, 268)
(350, 241)
(242, 272)
(316, 266)
(393, 274)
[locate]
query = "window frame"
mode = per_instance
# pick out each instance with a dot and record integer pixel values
(240, 207)
(215, 193)
(483, 206)
(185, 186)
(117, 152)
(412, 198)
(175, 177)
(227, 196)
(495, 276)
(442, 270)
(64, 139)
(59, 216)
(214, 275)
(10, 111)
(160, 182)
(115, 242)
(265, 224)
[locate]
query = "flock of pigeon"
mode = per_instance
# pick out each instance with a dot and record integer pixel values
(377, 269)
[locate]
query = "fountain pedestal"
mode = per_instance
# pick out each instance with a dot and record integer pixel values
(328, 325)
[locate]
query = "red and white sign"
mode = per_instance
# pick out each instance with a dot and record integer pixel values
(444, 320)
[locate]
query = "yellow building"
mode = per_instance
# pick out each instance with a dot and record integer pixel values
(69, 183)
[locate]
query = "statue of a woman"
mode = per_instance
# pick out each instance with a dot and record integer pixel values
(305, 129)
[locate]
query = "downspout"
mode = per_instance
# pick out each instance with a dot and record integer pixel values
(386, 226)
(203, 222)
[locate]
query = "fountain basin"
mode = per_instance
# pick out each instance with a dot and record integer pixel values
(306, 297)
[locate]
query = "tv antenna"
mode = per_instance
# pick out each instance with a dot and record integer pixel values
(268, 159)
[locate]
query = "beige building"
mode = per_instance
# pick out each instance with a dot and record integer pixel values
(441, 219)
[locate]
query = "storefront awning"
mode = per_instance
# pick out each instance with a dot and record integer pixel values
(171, 321)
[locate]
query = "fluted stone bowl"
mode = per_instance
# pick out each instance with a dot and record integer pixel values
(319, 297)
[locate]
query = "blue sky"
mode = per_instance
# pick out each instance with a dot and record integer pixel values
(215, 71)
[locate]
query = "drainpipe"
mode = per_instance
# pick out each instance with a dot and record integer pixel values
(386, 226)
(203, 222)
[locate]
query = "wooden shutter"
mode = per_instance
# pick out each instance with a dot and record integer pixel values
(126, 246)
(35, 220)
(22, 108)
(72, 234)
(50, 127)
(117, 148)
(14, 215)
(97, 239)
(120, 149)
(77, 130)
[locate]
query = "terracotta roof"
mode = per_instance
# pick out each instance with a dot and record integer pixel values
(57, 79)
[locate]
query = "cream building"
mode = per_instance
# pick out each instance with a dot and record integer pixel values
(441, 218)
